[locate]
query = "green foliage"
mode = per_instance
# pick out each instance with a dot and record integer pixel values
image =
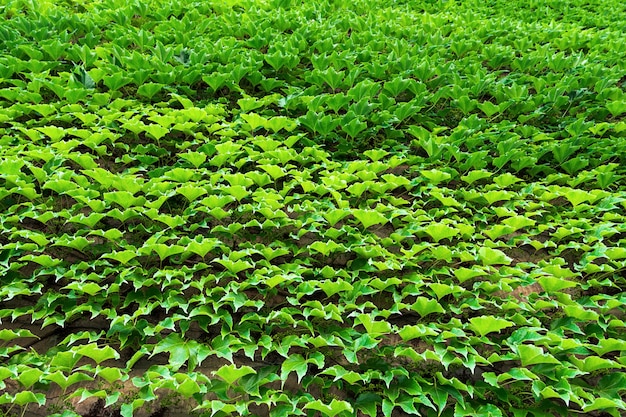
(313, 208)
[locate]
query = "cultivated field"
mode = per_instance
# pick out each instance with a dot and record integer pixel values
(318, 208)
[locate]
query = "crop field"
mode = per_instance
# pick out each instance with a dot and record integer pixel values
(312, 208)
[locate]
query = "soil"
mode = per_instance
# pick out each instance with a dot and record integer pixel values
(98, 410)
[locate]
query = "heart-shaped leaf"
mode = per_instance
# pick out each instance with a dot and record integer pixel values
(484, 325)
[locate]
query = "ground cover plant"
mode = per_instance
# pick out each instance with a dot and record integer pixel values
(369, 208)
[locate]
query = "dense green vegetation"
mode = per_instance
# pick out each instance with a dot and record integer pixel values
(313, 208)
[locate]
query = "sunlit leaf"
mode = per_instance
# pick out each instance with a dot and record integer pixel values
(484, 325)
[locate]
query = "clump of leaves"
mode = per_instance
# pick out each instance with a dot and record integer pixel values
(320, 209)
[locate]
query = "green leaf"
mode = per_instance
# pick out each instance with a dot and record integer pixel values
(498, 230)
(616, 108)
(74, 95)
(75, 242)
(83, 77)
(416, 331)
(372, 327)
(110, 374)
(488, 108)
(280, 122)
(354, 127)
(334, 286)
(609, 345)
(376, 154)
(90, 288)
(43, 260)
(234, 266)
(60, 186)
(594, 363)
(494, 196)
(325, 248)
(98, 354)
(156, 131)
(12, 166)
(182, 175)
(230, 373)
(533, 355)
(238, 191)
(53, 132)
(331, 410)
(124, 199)
(577, 197)
(85, 393)
(476, 175)
(188, 386)
(425, 306)
(294, 362)
(122, 257)
(484, 325)
(274, 171)
(255, 120)
(339, 372)
(165, 251)
(112, 399)
(387, 407)
(489, 256)
(440, 398)
(26, 397)
(127, 410)
(580, 313)
(29, 376)
(613, 383)
(505, 180)
(65, 360)
(369, 218)
(463, 274)
(201, 246)
(518, 222)
(517, 374)
(64, 382)
(170, 221)
(615, 253)
(191, 192)
(439, 231)
(553, 284)
(149, 89)
(194, 158)
(603, 404)
(116, 80)
(8, 335)
(436, 176)
(367, 403)
(335, 215)
(182, 351)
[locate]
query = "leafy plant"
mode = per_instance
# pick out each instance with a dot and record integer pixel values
(312, 208)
